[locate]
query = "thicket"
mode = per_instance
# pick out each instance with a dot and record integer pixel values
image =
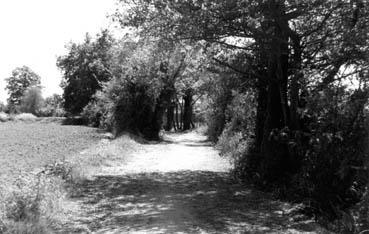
(52, 107)
(153, 86)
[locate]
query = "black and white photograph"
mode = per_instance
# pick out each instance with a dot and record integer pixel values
(184, 116)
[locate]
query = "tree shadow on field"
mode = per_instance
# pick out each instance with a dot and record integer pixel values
(185, 201)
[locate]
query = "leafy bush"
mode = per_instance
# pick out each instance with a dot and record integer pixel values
(126, 114)
(220, 98)
(40, 227)
(49, 111)
(31, 204)
(135, 99)
(52, 107)
(98, 113)
(238, 132)
(23, 206)
(334, 152)
(328, 154)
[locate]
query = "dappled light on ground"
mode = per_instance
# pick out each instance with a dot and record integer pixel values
(178, 186)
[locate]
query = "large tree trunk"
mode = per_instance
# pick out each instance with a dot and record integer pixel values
(273, 117)
(170, 117)
(162, 104)
(295, 84)
(177, 127)
(187, 112)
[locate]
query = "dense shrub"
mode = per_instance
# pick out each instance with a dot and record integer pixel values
(328, 154)
(326, 162)
(238, 132)
(23, 206)
(98, 113)
(124, 105)
(52, 107)
(334, 155)
(31, 204)
(48, 111)
(220, 97)
(136, 98)
(126, 113)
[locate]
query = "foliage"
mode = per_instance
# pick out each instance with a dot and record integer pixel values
(52, 107)
(220, 97)
(98, 113)
(22, 79)
(137, 83)
(335, 157)
(31, 101)
(31, 204)
(84, 68)
(294, 55)
(23, 206)
(147, 74)
(238, 132)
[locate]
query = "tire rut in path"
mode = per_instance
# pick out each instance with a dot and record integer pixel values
(180, 185)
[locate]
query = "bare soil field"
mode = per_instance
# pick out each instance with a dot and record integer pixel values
(27, 146)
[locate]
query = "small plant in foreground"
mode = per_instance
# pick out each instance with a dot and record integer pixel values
(32, 204)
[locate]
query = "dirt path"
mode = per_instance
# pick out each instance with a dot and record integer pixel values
(178, 186)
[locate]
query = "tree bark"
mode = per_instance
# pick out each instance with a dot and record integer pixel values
(177, 116)
(170, 117)
(187, 110)
(273, 107)
(160, 107)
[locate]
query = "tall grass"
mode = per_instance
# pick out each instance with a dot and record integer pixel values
(33, 204)
(28, 117)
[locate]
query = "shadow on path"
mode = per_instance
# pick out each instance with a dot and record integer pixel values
(183, 201)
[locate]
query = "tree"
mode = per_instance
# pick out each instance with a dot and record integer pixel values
(53, 106)
(147, 80)
(22, 79)
(84, 68)
(32, 101)
(287, 51)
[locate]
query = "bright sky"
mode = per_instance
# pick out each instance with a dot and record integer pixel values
(35, 32)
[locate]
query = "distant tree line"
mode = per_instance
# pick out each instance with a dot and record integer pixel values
(25, 95)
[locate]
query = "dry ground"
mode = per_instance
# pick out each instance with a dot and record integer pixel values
(180, 185)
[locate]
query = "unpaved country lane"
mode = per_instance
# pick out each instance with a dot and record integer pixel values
(180, 185)
(178, 152)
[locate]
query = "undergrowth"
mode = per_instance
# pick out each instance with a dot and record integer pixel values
(32, 204)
